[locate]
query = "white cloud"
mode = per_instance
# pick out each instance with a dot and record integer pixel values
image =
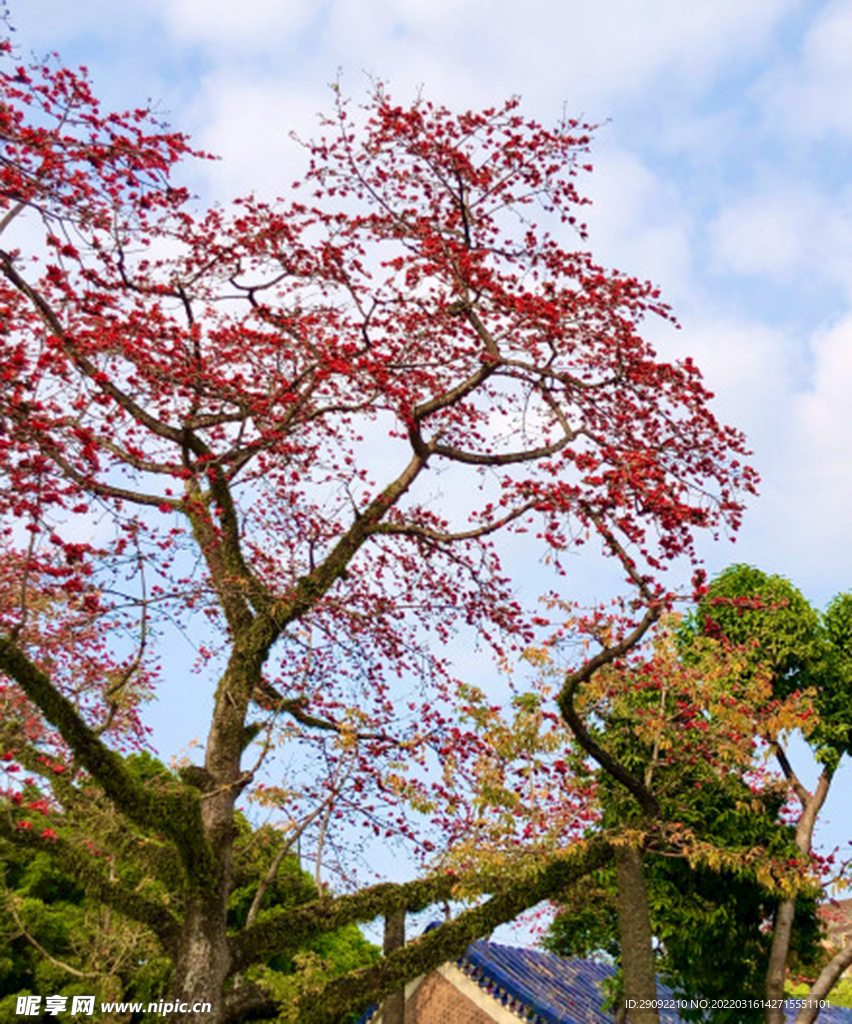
(637, 222)
(246, 23)
(751, 370)
(590, 55)
(786, 233)
(51, 23)
(764, 234)
(746, 364)
(807, 95)
(248, 125)
(805, 521)
(823, 421)
(801, 432)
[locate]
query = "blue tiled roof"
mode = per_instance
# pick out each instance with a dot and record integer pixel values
(542, 987)
(547, 989)
(830, 1015)
(551, 990)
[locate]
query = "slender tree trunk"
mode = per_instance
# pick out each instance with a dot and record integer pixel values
(393, 1008)
(831, 974)
(783, 930)
(634, 928)
(776, 971)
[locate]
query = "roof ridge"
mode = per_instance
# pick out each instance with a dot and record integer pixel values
(489, 985)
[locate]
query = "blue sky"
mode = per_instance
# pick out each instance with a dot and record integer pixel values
(722, 172)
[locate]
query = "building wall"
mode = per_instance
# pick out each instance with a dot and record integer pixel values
(449, 996)
(436, 1001)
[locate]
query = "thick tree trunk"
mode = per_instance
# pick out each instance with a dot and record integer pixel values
(203, 960)
(201, 965)
(634, 928)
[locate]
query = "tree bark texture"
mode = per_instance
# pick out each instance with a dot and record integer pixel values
(393, 1008)
(783, 930)
(201, 967)
(634, 928)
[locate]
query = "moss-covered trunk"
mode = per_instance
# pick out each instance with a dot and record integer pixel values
(203, 956)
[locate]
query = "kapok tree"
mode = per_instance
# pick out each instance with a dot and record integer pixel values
(234, 420)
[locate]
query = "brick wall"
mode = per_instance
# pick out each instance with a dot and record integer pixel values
(449, 996)
(436, 1001)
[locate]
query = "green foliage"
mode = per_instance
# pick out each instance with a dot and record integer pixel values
(834, 700)
(698, 912)
(587, 922)
(56, 939)
(287, 978)
(754, 659)
(254, 851)
(841, 994)
(329, 958)
(769, 617)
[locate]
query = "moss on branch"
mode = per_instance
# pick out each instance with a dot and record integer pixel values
(288, 930)
(176, 815)
(91, 873)
(448, 941)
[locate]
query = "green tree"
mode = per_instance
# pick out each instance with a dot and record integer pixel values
(674, 733)
(696, 911)
(56, 939)
(768, 618)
